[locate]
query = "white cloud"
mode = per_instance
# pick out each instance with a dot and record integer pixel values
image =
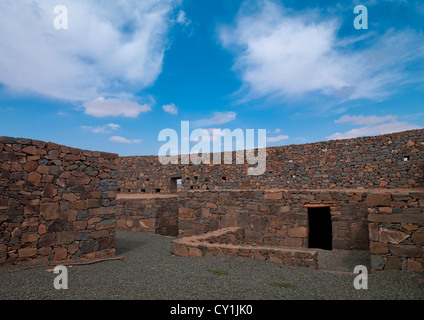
(124, 140)
(364, 120)
(285, 54)
(277, 130)
(107, 128)
(373, 126)
(102, 107)
(217, 118)
(182, 19)
(107, 49)
(280, 137)
(170, 108)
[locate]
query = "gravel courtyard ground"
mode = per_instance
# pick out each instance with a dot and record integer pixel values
(149, 271)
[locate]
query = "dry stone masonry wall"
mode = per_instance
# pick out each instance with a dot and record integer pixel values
(230, 242)
(386, 161)
(56, 202)
(276, 217)
(372, 188)
(157, 215)
(396, 230)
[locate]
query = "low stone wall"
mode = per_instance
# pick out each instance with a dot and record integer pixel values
(276, 217)
(269, 217)
(56, 202)
(229, 242)
(148, 214)
(396, 229)
(390, 223)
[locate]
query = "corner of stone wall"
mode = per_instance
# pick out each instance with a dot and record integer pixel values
(57, 203)
(396, 230)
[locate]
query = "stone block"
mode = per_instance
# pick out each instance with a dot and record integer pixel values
(72, 248)
(106, 224)
(228, 221)
(393, 263)
(285, 209)
(34, 177)
(79, 225)
(275, 222)
(379, 248)
(415, 266)
(45, 251)
(418, 238)
(298, 232)
(148, 223)
(359, 232)
(377, 262)
(30, 237)
(99, 234)
(27, 252)
(32, 150)
(324, 197)
(47, 240)
(405, 250)
(385, 210)
(60, 254)
(185, 212)
(50, 211)
(194, 252)
(77, 205)
(179, 249)
(43, 169)
(392, 236)
(31, 166)
(397, 218)
(49, 191)
(293, 242)
(259, 223)
(92, 203)
(106, 243)
(252, 236)
(101, 211)
(379, 200)
(273, 196)
(87, 246)
(343, 244)
(66, 237)
(373, 231)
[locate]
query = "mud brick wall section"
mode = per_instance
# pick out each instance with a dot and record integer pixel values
(56, 203)
(385, 161)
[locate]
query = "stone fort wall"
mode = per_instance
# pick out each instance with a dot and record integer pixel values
(372, 186)
(56, 203)
(385, 161)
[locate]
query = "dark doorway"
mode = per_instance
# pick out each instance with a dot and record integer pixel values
(175, 184)
(320, 228)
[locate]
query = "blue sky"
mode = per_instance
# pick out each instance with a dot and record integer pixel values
(122, 72)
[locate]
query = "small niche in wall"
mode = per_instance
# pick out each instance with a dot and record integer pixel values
(405, 158)
(224, 178)
(157, 190)
(143, 190)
